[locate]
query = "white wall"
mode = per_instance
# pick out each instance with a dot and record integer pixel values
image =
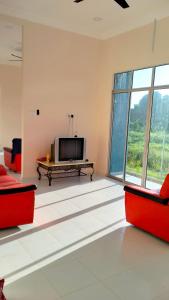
(69, 73)
(127, 51)
(60, 76)
(10, 104)
(0, 118)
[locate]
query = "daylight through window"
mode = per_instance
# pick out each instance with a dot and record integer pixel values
(140, 126)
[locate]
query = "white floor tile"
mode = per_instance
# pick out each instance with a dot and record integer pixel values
(129, 286)
(13, 257)
(67, 233)
(81, 247)
(163, 295)
(47, 198)
(89, 223)
(105, 259)
(33, 286)
(39, 244)
(68, 275)
(94, 292)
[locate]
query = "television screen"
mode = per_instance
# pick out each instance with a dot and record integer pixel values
(71, 149)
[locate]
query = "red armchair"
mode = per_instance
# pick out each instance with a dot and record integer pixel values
(12, 157)
(16, 201)
(149, 210)
(2, 297)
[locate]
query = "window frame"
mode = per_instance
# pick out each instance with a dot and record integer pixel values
(130, 90)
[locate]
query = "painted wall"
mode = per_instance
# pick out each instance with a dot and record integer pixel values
(127, 51)
(68, 73)
(0, 118)
(10, 103)
(60, 76)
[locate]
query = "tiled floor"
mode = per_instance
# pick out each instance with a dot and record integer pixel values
(80, 248)
(137, 180)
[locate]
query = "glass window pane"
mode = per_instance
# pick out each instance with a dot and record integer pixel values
(142, 78)
(120, 113)
(136, 137)
(162, 75)
(158, 157)
(122, 81)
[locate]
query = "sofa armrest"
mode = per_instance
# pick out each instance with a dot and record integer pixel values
(2, 296)
(8, 149)
(17, 188)
(2, 170)
(145, 193)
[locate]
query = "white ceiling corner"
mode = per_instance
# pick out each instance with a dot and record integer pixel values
(79, 18)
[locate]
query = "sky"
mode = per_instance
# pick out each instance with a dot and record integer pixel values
(142, 78)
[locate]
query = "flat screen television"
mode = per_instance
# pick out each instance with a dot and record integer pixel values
(69, 149)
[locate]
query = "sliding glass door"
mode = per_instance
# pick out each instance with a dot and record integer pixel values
(136, 137)
(140, 126)
(119, 131)
(158, 156)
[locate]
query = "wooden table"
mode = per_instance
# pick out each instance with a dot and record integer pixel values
(64, 168)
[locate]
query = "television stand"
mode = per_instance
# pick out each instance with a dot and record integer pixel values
(64, 169)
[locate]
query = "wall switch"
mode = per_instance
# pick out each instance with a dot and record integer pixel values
(71, 116)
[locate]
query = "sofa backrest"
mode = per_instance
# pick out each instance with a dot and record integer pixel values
(164, 192)
(16, 147)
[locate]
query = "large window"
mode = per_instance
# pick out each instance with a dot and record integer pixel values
(140, 126)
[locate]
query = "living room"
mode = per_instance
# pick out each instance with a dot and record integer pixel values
(68, 68)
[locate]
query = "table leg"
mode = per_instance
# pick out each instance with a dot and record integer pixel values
(49, 175)
(91, 175)
(39, 173)
(79, 172)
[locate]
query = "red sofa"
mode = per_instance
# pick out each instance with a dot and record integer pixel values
(16, 201)
(149, 210)
(2, 297)
(12, 156)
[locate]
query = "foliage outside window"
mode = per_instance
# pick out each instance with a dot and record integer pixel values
(140, 125)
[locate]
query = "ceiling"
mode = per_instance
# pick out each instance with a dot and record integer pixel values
(96, 18)
(10, 42)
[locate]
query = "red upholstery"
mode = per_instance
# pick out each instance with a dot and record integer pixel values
(164, 192)
(16, 202)
(143, 190)
(7, 179)
(2, 297)
(144, 210)
(2, 170)
(17, 209)
(43, 158)
(14, 166)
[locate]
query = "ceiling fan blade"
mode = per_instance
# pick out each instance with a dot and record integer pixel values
(77, 1)
(122, 3)
(16, 56)
(14, 59)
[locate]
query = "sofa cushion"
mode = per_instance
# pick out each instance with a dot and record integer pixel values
(164, 192)
(2, 170)
(7, 184)
(7, 178)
